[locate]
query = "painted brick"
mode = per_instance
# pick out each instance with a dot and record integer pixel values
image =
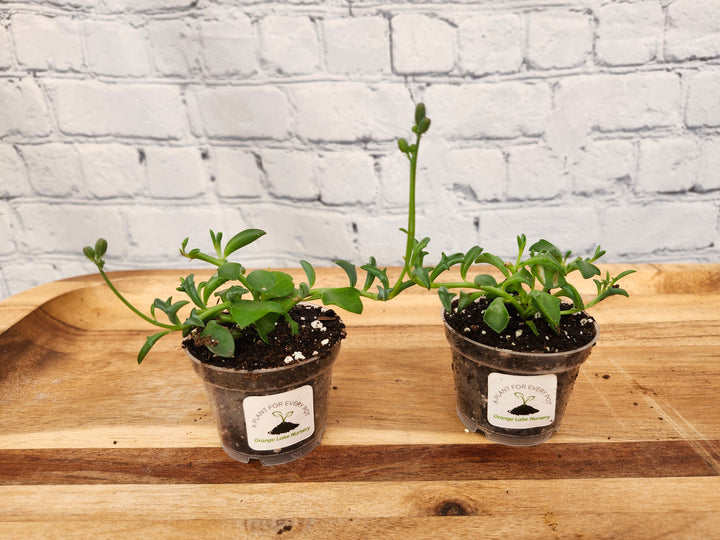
(476, 174)
(176, 49)
(66, 228)
(156, 232)
(116, 48)
(693, 29)
(491, 110)
(307, 235)
(47, 42)
(609, 103)
(558, 39)
(703, 103)
(243, 112)
(289, 44)
(357, 45)
(667, 165)
(53, 169)
(579, 233)
(13, 180)
(534, 172)
(413, 52)
(491, 43)
(629, 33)
(380, 238)
(604, 167)
(429, 182)
(26, 274)
(709, 168)
(229, 47)
(350, 111)
(111, 170)
(645, 229)
(5, 57)
(135, 110)
(175, 173)
(148, 5)
(7, 245)
(236, 173)
(24, 111)
(347, 177)
(291, 174)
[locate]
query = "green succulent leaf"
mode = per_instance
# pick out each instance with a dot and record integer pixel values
(469, 259)
(309, 273)
(494, 260)
(187, 285)
(548, 306)
(170, 309)
(446, 298)
(242, 239)
(380, 274)
(150, 341)
(247, 312)
(587, 269)
(221, 340)
(422, 275)
(231, 271)
(349, 270)
(348, 298)
(270, 284)
(496, 315)
(485, 280)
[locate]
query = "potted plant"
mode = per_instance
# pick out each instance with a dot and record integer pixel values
(517, 337)
(264, 353)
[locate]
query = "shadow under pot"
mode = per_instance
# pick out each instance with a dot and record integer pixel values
(274, 415)
(514, 398)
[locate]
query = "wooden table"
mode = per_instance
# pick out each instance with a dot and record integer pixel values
(91, 444)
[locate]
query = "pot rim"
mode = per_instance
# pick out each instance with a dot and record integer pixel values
(524, 354)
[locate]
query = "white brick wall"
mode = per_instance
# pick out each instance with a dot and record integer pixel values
(583, 121)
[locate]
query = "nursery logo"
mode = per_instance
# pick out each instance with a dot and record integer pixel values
(509, 398)
(267, 418)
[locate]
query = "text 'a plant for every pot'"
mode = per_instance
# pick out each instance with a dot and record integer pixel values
(264, 353)
(516, 345)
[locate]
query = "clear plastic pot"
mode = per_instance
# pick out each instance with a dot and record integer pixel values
(272, 415)
(514, 398)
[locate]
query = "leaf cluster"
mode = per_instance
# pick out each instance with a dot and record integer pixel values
(233, 299)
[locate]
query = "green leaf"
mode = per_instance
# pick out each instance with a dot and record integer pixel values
(543, 246)
(587, 269)
(222, 342)
(494, 260)
(232, 294)
(573, 294)
(211, 286)
(149, 342)
(349, 270)
(242, 239)
(188, 286)
(194, 320)
(548, 305)
(348, 298)
(369, 277)
(469, 259)
(269, 284)
(377, 273)
(169, 309)
(496, 315)
(446, 262)
(247, 312)
(231, 271)
(485, 280)
(266, 325)
(422, 275)
(446, 298)
(309, 272)
(467, 298)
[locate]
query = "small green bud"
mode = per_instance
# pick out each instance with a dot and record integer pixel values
(424, 125)
(419, 113)
(100, 247)
(403, 146)
(89, 253)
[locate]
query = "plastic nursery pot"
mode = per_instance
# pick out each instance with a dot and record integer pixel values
(514, 398)
(273, 415)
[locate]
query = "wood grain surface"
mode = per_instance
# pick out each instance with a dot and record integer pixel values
(93, 445)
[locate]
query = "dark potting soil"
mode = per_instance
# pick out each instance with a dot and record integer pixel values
(574, 330)
(319, 329)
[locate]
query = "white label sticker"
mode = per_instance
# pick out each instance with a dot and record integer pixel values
(521, 401)
(279, 420)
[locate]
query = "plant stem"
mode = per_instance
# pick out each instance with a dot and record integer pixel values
(133, 308)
